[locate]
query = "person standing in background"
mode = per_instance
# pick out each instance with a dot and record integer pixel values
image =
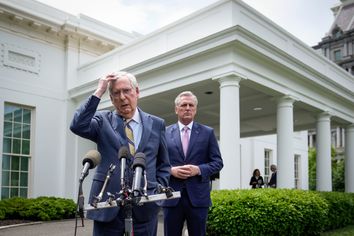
(273, 179)
(256, 179)
(194, 156)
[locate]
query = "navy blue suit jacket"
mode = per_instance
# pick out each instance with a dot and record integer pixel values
(106, 129)
(203, 151)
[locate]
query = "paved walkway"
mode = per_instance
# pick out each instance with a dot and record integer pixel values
(56, 228)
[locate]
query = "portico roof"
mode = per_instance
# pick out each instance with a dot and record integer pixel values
(229, 38)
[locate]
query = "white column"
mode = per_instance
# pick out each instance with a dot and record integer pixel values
(323, 150)
(310, 138)
(230, 176)
(285, 152)
(338, 137)
(349, 159)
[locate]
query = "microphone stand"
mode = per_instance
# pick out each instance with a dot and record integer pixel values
(79, 207)
(98, 198)
(81, 200)
(127, 205)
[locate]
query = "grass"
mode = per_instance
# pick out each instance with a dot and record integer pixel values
(346, 231)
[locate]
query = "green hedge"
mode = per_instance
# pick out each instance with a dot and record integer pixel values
(41, 208)
(341, 209)
(277, 212)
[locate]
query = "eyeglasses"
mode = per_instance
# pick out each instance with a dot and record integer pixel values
(125, 92)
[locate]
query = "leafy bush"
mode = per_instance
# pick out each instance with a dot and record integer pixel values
(341, 209)
(41, 208)
(337, 170)
(266, 212)
(11, 208)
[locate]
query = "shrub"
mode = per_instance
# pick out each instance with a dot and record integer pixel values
(340, 209)
(12, 207)
(41, 208)
(266, 212)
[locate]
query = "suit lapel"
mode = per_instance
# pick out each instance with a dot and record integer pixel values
(117, 124)
(176, 137)
(194, 136)
(146, 132)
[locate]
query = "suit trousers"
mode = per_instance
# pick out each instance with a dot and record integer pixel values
(174, 218)
(116, 227)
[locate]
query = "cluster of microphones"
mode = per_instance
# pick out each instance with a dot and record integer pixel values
(128, 195)
(93, 158)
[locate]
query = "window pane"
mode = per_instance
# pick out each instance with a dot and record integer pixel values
(26, 116)
(16, 148)
(6, 162)
(15, 178)
(8, 129)
(9, 115)
(26, 147)
(23, 179)
(5, 178)
(5, 193)
(24, 164)
(15, 163)
(337, 55)
(14, 192)
(23, 192)
(26, 131)
(7, 145)
(18, 115)
(17, 130)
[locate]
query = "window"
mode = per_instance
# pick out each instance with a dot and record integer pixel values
(297, 171)
(267, 163)
(337, 32)
(16, 151)
(337, 55)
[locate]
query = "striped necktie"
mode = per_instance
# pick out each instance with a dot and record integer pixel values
(130, 137)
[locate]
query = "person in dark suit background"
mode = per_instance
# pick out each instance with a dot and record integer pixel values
(191, 169)
(256, 179)
(106, 129)
(273, 179)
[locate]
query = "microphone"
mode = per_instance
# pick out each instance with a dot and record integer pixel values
(138, 167)
(90, 161)
(123, 155)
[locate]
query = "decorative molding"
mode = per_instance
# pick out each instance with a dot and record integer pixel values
(21, 59)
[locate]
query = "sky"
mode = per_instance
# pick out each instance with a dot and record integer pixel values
(308, 20)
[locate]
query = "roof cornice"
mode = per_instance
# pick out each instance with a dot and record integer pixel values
(41, 18)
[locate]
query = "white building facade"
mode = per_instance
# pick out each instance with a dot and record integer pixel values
(258, 87)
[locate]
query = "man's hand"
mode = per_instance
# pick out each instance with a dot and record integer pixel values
(184, 172)
(103, 84)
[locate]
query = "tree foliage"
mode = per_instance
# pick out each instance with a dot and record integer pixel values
(337, 170)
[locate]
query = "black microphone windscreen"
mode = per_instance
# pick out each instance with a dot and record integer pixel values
(123, 152)
(93, 157)
(139, 160)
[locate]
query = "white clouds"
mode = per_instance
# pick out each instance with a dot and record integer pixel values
(131, 15)
(308, 20)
